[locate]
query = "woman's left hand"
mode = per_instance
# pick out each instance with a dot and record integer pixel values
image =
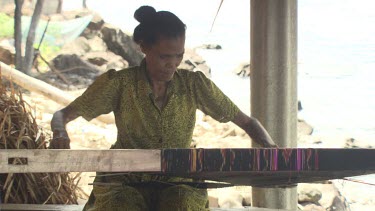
(254, 129)
(269, 143)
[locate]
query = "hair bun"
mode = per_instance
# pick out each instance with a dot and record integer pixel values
(144, 14)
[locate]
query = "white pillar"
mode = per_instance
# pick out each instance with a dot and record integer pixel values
(274, 85)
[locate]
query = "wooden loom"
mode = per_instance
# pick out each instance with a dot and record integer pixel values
(233, 166)
(236, 166)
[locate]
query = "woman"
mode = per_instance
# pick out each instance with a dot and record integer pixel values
(154, 106)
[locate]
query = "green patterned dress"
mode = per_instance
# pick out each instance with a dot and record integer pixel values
(142, 125)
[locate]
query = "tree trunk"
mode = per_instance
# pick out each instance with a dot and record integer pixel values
(29, 52)
(18, 33)
(59, 7)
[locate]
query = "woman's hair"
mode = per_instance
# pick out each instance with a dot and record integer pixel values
(153, 25)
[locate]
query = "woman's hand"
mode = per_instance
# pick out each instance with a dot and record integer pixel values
(60, 139)
(268, 142)
(254, 129)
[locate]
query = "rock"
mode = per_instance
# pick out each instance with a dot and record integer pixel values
(97, 22)
(233, 201)
(246, 192)
(243, 70)
(230, 199)
(121, 44)
(338, 204)
(360, 196)
(79, 47)
(75, 64)
(106, 60)
(312, 207)
(304, 128)
(97, 44)
(309, 195)
(95, 51)
(211, 46)
(299, 105)
(329, 191)
(7, 7)
(7, 53)
(304, 134)
(94, 27)
(77, 73)
(334, 140)
(356, 143)
(308, 141)
(194, 62)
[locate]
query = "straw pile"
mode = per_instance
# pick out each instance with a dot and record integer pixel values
(19, 130)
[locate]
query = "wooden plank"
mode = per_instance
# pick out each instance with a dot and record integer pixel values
(39, 207)
(50, 207)
(60, 160)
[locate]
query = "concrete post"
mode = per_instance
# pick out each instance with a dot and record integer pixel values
(274, 85)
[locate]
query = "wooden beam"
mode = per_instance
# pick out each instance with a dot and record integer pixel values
(45, 89)
(60, 160)
(40, 207)
(53, 207)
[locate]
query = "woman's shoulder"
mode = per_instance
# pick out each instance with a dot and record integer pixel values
(123, 73)
(192, 76)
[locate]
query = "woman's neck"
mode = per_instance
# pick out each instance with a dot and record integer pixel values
(159, 89)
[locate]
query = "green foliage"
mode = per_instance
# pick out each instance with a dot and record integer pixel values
(7, 30)
(48, 52)
(6, 26)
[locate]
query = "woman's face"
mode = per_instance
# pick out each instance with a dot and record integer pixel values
(164, 57)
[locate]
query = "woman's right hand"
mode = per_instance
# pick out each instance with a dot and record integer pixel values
(60, 139)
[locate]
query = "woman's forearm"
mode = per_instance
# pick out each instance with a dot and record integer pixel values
(62, 117)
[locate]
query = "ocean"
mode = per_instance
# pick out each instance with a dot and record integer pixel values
(336, 54)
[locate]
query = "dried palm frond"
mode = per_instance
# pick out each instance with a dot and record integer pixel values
(19, 130)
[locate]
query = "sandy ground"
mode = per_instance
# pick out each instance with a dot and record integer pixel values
(207, 134)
